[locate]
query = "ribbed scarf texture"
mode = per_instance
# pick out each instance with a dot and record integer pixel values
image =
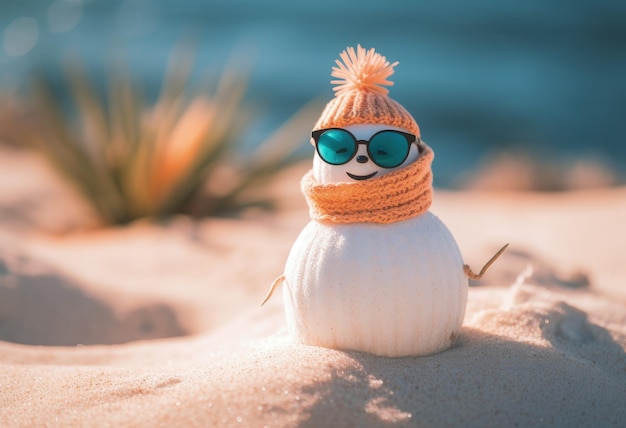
(393, 197)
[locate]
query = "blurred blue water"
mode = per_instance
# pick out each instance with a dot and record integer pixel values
(477, 76)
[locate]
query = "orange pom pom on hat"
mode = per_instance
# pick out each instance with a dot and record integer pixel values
(360, 95)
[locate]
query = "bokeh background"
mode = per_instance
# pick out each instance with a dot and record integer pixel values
(489, 82)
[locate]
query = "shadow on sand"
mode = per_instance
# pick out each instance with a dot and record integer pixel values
(39, 306)
(499, 382)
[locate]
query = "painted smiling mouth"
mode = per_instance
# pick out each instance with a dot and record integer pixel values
(361, 177)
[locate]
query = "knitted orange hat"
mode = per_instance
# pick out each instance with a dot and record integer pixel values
(360, 95)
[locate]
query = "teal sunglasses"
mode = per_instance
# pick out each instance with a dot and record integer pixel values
(387, 148)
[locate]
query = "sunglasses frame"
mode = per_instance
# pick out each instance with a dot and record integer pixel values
(410, 139)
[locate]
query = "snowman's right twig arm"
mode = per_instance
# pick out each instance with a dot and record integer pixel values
(273, 287)
(471, 275)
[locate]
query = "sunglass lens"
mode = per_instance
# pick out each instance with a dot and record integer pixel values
(388, 149)
(336, 146)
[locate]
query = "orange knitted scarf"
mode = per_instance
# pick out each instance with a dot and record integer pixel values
(397, 196)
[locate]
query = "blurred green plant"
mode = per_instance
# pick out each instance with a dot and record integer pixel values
(16, 119)
(179, 155)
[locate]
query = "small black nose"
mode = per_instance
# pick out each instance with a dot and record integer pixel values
(362, 159)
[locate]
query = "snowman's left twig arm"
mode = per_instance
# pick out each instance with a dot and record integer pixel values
(273, 288)
(472, 275)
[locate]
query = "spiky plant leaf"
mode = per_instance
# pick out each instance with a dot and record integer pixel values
(272, 154)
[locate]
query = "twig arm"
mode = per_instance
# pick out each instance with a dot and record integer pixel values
(273, 288)
(472, 275)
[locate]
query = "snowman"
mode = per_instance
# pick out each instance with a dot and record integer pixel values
(374, 271)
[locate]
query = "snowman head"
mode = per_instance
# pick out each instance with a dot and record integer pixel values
(361, 152)
(363, 133)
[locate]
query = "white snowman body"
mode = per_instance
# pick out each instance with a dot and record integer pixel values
(394, 289)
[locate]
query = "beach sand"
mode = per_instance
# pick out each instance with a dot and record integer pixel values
(161, 325)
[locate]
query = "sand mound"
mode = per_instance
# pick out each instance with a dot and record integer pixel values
(533, 360)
